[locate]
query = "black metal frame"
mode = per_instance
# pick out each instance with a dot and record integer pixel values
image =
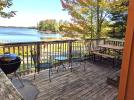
(39, 66)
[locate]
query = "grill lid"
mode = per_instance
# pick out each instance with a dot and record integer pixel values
(7, 57)
(9, 63)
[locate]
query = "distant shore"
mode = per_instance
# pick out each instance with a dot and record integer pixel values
(47, 32)
(31, 27)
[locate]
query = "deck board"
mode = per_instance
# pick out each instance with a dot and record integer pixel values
(76, 85)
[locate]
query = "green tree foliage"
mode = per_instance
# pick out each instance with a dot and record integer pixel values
(48, 25)
(118, 18)
(4, 4)
(88, 16)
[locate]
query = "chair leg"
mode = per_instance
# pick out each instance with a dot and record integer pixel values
(94, 58)
(51, 70)
(36, 70)
(80, 63)
(34, 75)
(64, 67)
(70, 65)
(49, 75)
(57, 68)
(85, 66)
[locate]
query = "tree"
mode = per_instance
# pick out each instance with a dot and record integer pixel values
(118, 18)
(88, 16)
(48, 25)
(6, 4)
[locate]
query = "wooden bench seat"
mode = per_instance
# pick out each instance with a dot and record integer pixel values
(115, 62)
(103, 55)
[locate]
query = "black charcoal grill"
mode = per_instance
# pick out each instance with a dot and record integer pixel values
(9, 63)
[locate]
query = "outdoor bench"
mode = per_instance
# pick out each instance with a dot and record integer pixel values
(103, 55)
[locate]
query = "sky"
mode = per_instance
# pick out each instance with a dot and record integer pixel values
(30, 12)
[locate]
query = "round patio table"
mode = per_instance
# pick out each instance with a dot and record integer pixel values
(61, 60)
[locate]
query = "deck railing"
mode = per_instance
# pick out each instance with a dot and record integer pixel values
(116, 42)
(47, 51)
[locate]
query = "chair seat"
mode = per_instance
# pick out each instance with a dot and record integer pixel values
(77, 59)
(45, 65)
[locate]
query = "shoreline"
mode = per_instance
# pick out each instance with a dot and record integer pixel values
(47, 32)
(32, 27)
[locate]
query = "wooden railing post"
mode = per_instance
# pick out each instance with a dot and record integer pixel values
(38, 56)
(70, 54)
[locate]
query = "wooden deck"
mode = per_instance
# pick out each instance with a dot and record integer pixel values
(76, 85)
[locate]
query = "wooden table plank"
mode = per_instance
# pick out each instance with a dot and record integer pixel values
(111, 47)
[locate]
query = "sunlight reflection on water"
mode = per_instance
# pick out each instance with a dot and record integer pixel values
(23, 35)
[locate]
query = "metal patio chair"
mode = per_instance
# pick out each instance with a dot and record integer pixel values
(41, 66)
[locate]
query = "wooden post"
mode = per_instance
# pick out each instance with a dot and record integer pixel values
(38, 56)
(70, 54)
(126, 87)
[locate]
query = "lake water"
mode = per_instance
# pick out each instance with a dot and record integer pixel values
(23, 35)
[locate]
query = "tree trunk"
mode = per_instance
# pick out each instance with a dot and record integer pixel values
(98, 30)
(91, 23)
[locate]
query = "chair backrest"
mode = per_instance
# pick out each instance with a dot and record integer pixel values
(34, 56)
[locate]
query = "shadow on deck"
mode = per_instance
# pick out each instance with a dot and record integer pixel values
(76, 85)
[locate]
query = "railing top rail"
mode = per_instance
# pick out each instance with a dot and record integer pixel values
(97, 39)
(50, 41)
(21, 43)
(116, 40)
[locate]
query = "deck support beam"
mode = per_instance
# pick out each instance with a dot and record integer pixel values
(126, 87)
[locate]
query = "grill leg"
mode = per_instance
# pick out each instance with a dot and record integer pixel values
(19, 79)
(49, 75)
